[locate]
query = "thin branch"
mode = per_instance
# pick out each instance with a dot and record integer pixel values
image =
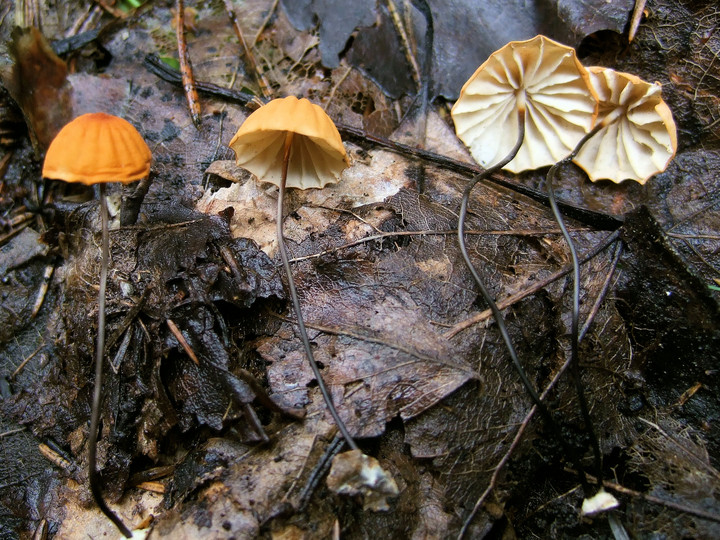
(186, 70)
(504, 460)
(601, 296)
(504, 304)
(430, 232)
(698, 512)
(183, 342)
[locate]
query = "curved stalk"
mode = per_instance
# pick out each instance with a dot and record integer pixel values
(296, 302)
(575, 321)
(93, 476)
(497, 314)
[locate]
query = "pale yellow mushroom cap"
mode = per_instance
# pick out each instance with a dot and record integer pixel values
(554, 87)
(317, 155)
(639, 139)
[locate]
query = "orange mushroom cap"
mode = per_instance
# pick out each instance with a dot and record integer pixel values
(640, 138)
(95, 148)
(317, 155)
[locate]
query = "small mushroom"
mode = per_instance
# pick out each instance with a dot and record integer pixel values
(317, 157)
(638, 138)
(98, 148)
(525, 107)
(540, 75)
(633, 138)
(291, 142)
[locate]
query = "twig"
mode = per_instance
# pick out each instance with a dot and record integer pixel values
(188, 80)
(404, 41)
(266, 20)
(694, 236)
(161, 69)
(503, 461)
(265, 400)
(503, 304)
(300, 469)
(5, 237)
(183, 342)
(249, 56)
(636, 18)
(319, 470)
(337, 84)
(11, 432)
(699, 461)
(371, 339)
(25, 361)
(42, 291)
(5, 162)
(601, 296)
(56, 459)
(655, 500)
(127, 320)
(429, 232)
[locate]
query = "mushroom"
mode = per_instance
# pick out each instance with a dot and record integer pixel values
(634, 138)
(638, 138)
(98, 148)
(317, 158)
(291, 142)
(546, 79)
(530, 102)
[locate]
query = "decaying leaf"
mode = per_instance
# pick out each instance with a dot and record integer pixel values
(465, 34)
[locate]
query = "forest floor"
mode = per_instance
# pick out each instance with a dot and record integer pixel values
(411, 354)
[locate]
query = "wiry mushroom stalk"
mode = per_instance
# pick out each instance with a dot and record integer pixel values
(113, 151)
(93, 476)
(296, 302)
(497, 314)
(575, 319)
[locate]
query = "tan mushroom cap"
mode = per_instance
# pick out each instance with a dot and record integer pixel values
(639, 139)
(548, 79)
(317, 155)
(96, 148)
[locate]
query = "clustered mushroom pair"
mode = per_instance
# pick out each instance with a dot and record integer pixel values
(531, 101)
(288, 142)
(533, 104)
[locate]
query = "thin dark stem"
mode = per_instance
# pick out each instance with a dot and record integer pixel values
(497, 314)
(296, 304)
(575, 321)
(93, 476)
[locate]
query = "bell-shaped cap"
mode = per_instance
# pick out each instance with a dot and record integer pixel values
(96, 148)
(317, 155)
(639, 138)
(541, 75)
